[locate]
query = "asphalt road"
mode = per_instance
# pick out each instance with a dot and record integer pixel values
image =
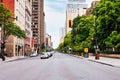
(58, 67)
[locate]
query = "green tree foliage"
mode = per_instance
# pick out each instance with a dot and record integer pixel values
(66, 44)
(85, 31)
(76, 21)
(67, 41)
(4, 13)
(106, 16)
(42, 49)
(9, 27)
(113, 40)
(108, 19)
(13, 29)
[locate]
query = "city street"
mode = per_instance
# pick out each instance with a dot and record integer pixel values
(58, 67)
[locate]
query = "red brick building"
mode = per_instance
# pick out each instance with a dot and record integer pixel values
(17, 8)
(88, 11)
(9, 4)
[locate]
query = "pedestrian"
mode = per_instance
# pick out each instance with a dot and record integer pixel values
(2, 56)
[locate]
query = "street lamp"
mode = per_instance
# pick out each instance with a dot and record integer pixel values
(96, 43)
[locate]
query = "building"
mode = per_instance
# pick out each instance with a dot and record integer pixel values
(38, 22)
(17, 8)
(62, 34)
(74, 8)
(49, 44)
(88, 11)
(28, 29)
(0, 34)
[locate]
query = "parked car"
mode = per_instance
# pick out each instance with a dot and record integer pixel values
(44, 55)
(49, 54)
(34, 54)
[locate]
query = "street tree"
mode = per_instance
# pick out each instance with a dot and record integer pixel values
(8, 27)
(108, 19)
(76, 21)
(84, 32)
(112, 41)
(67, 41)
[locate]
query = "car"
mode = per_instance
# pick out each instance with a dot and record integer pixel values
(34, 54)
(49, 54)
(44, 55)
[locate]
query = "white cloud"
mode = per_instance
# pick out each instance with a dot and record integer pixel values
(54, 20)
(55, 14)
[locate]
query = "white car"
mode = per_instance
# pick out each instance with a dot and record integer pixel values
(34, 54)
(44, 55)
(49, 54)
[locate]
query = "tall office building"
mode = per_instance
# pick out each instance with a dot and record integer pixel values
(38, 22)
(48, 42)
(62, 34)
(74, 8)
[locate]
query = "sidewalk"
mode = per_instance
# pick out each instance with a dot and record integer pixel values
(12, 58)
(103, 60)
(108, 61)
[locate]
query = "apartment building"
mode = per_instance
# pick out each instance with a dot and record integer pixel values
(48, 42)
(28, 28)
(17, 8)
(38, 22)
(88, 11)
(74, 8)
(62, 34)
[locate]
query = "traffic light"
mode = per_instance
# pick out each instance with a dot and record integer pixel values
(70, 23)
(93, 41)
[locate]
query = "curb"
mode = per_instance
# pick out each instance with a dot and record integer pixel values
(104, 63)
(76, 56)
(10, 60)
(108, 64)
(101, 62)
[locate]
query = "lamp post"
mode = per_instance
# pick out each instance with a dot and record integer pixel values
(96, 42)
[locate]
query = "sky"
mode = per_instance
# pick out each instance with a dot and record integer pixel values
(55, 16)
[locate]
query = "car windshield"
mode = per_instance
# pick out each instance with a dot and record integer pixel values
(43, 53)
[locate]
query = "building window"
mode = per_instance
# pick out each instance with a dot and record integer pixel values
(70, 23)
